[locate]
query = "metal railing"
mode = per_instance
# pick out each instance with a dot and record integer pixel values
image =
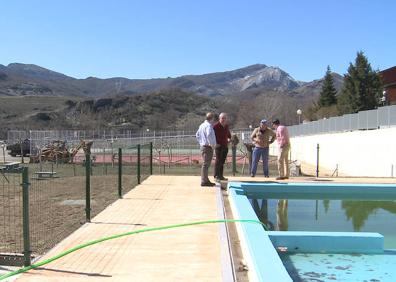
(364, 120)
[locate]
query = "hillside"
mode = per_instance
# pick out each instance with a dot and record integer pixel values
(21, 80)
(160, 110)
(32, 97)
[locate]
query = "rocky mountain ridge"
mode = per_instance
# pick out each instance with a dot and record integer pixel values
(26, 79)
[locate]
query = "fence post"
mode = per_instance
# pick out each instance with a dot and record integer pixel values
(138, 163)
(151, 157)
(233, 148)
(317, 160)
(21, 146)
(25, 211)
(119, 173)
(88, 187)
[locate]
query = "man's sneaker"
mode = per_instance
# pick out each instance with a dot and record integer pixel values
(252, 175)
(208, 184)
(266, 176)
(222, 178)
(280, 178)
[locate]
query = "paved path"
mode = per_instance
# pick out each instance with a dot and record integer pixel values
(185, 254)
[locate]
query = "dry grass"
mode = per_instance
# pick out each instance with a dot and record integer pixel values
(57, 207)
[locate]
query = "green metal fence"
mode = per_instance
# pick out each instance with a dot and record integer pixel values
(40, 204)
(11, 211)
(56, 203)
(145, 161)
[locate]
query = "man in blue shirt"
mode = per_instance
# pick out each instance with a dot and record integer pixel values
(207, 141)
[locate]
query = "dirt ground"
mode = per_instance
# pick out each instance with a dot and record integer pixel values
(57, 205)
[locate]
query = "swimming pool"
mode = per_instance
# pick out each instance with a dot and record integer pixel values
(314, 251)
(328, 216)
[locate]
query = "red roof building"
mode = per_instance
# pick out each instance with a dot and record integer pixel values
(389, 81)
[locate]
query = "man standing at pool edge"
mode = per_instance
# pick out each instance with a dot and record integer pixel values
(282, 137)
(207, 141)
(223, 136)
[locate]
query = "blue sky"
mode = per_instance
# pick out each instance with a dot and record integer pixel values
(149, 39)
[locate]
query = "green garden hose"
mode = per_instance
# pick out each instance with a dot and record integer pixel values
(78, 247)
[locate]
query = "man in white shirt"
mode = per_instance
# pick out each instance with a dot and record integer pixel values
(207, 141)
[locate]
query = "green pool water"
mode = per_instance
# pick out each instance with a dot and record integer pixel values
(329, 215)
(341, 267)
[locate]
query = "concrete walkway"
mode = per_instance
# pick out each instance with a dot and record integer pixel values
(186, 254)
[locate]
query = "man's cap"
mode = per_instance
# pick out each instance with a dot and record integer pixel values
(275, 121)
(263, 120)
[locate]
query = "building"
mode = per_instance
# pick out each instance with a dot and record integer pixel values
(389, 81)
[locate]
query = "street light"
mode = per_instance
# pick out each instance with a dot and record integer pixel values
(3, 146)
(299, 113)
(383, 98)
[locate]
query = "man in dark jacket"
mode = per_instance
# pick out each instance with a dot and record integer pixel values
(223, 136)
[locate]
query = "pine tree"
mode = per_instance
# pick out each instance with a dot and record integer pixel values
(362, 87)
(328, 92)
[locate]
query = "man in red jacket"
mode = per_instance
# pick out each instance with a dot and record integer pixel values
(223, 136)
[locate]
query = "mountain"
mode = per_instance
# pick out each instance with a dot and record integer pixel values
(163, 110)
(236, 81)
(32, 97)
(311, 90)
(35, 72)
(23, 79)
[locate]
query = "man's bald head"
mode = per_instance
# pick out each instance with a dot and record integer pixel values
(223, 118)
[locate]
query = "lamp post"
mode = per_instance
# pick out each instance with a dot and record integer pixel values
(147, 134)
(299, 113)
(3, 146)
(383, 98)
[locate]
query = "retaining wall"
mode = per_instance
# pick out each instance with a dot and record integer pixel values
(357, 153)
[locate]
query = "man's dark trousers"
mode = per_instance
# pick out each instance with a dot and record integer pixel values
(221, 152)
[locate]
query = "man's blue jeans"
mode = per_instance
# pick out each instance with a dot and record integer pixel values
(257, 154)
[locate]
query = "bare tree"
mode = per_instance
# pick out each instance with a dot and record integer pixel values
(264, 106)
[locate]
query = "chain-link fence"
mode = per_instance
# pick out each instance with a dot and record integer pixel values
(101, 138)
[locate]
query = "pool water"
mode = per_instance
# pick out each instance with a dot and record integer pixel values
(329, 215)
(341, 267)
(308, 208)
